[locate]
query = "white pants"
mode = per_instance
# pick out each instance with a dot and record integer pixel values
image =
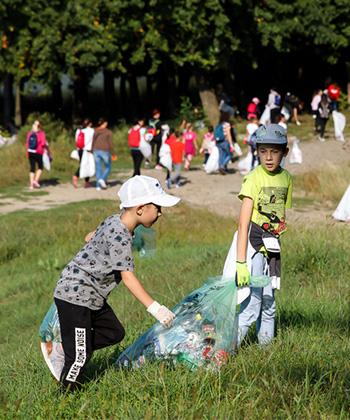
(260, 306)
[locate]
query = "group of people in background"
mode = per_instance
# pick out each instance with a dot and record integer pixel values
(173, 148)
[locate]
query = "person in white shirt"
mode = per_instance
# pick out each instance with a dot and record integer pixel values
(83, 141)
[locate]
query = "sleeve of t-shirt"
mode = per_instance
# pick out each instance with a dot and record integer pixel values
(120, 250)
(289, 194)
(248, 189)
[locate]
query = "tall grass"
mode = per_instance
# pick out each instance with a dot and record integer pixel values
(304, 373)
(328, 183)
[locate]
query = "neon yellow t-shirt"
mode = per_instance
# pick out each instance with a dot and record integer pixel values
(271, 194)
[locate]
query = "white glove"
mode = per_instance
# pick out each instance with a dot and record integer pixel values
(161, 313)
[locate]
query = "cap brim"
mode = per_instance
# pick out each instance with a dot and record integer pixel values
(165, 200)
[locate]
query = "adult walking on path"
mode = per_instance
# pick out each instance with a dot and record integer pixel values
(35, 145)
(83, 141)
(102, 146)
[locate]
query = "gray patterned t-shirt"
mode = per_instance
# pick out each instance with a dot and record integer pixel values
(95, 271)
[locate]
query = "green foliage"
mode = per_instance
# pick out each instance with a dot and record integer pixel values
(286, 26)
(302, 374)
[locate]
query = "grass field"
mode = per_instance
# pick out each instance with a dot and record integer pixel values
(305, 373)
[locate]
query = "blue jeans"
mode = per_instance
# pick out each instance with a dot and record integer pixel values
(259, 307)
(102, 158)
(224, 153)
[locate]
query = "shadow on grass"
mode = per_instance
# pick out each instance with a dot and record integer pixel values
(315, 318)
(50, 182)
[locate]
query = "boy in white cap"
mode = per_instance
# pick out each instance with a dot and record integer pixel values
(87, 322)
(266, 193)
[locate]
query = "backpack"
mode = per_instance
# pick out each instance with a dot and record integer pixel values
(277, 100)
(134, 138)
(33, 141)
(80, 141)
(219, 133)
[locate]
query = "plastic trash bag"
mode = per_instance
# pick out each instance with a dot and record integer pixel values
(203, 334)
(296, 155)
(87, 165)
(165, 156)
(46, 160)
(265, 116)
(342, 212)
(212, 164)
(245, 164)
(49, 330)
(144, 241)
(339, 122)
(74, 154)
(237, 149)
(145, 148)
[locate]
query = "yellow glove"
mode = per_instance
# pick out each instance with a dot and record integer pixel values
(242, 274)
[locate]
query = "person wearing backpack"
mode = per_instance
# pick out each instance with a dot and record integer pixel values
(35, 146)
(224, 143)
(83, 141)
(134, 139)
(323, 116)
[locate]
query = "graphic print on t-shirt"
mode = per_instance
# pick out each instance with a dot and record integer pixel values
(271, 203)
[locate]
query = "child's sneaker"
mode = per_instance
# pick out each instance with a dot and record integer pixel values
(102, 183)
(54, 357)
(36, 184)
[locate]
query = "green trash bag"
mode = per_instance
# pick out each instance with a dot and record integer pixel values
(49, 330)
(203, 334)
(144, 241)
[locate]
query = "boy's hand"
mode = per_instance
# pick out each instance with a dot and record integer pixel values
(161, 313)
(242, 274)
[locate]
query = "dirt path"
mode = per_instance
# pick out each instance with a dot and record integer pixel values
(215, 192)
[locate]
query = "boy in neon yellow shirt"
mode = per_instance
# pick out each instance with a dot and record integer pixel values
(266, 193)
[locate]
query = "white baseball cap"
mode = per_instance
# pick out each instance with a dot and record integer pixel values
(142, 189)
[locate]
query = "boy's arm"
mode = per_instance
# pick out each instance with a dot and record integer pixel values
(243, 275)
(161, 313)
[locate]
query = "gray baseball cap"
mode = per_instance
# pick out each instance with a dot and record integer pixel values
(270, 134)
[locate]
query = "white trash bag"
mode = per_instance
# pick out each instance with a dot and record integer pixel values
(339, 122)
(266, 116)
(245, 164)
(87, 165)
(296, 155)
(145, 148)
(74, 154)
(342, 212)
(165, 156)
(237, 149)
(212, 164)
(46, 160)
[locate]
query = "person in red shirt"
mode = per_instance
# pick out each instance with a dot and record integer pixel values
(177, 148)
(253, 109)
(333, 93)
(35, 145)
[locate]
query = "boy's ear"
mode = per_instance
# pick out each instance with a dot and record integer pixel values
(139, 210)
(286, 152)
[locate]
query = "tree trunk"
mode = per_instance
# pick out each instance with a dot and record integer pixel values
(80, 94)
(209, 101)
(149, 92)
(347, 65)
(135, 95)
(109, 93)
(18, 105)
(123, 97)
(57, 99)
(8, 99)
